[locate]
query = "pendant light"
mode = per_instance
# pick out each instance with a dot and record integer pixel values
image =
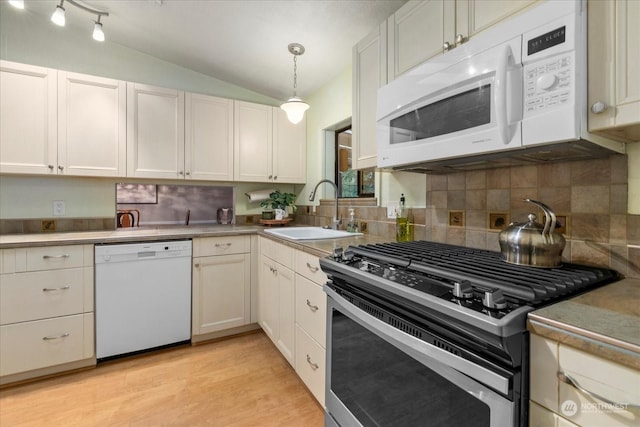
(295, 107)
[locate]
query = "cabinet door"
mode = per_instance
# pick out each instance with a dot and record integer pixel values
(253, 142)
(289, 149)
(208, 138)
(155, 132)
(474, 16)
(286, 316)
(91, 125)
(614, 70)
(28, 135)
(369, 73)
(416, 32)
(268, 298)
(221, 292)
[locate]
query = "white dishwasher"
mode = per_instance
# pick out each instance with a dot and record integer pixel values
(143, 296)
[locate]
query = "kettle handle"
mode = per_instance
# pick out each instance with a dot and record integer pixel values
(549, 217)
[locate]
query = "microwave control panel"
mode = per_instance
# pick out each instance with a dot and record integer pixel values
(548, 83)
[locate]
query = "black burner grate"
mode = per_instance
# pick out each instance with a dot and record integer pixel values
(487, 269)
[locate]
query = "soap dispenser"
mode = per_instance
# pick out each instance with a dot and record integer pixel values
(352, 227)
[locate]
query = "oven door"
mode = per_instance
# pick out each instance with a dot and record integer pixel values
(472, 107)
(380, 376)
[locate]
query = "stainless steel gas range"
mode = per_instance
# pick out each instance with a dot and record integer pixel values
(429, 334)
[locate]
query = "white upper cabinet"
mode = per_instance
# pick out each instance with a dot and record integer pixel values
(92, 128)
(268, 148)
(289, 149)
(61, 123)
(155, 132)
(208, 149)
(253, 134)
(614, 69)
(369, 73)
(28, 130)
(422, 29)
(416, 32)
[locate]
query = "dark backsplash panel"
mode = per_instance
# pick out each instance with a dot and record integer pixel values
(169, 204)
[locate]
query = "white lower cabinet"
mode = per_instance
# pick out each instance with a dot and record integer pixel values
(311, 320)
(46, 311)
(276, 296)
(221, 284)
(556, 403)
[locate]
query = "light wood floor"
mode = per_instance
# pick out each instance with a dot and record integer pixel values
(242, 381)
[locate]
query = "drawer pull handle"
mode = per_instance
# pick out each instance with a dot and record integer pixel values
(313, 308)
(222, 245)
(565, 378)
(55, 256)
(63, 288)
(312, 268)
(314, 366)
(59, 337)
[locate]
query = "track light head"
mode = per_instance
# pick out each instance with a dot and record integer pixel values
(58, 16)
(98, 34)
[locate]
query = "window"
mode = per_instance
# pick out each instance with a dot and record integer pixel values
(351, 183)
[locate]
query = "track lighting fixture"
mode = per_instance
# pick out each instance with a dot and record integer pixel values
(58, 16)
(295, 107)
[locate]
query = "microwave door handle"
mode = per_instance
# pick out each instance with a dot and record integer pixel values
(500, 94)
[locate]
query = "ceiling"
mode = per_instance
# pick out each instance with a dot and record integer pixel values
(243, 42)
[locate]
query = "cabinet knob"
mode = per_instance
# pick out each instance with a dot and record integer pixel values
(598, 107)
(460, 39)
(188, 173)
(275, 177)
(61, 168)
(447, 46)
(50, 167)
(270, 176)
(180, 173)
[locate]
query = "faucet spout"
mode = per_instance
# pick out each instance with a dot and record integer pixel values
(335, 221)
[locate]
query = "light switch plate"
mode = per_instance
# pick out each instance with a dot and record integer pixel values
(58, 208)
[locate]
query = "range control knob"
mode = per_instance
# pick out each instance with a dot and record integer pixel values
(347, 255)
(462, 290)
(337, 253)
(494, 299)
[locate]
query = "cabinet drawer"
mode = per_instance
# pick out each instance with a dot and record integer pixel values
(42, 294)
(610, 380)
(309, 266)
(208, 246)
(56, 257)
(311, 308)
(310, 364)
(278, 252)
(42, 343)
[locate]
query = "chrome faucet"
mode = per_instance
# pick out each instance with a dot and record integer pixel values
(335, 221)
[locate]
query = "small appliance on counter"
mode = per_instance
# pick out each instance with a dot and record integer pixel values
(225, 216)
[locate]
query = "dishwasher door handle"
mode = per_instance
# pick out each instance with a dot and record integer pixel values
(147, 254)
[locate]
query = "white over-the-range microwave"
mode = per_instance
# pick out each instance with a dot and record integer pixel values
(514, 94)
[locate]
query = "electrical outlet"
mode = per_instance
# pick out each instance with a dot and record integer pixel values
(392, 208)
(48, 225)
(58, 208)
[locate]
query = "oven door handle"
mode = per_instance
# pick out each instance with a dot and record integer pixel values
(419, 349)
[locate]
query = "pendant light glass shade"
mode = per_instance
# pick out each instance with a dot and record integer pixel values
(58, 16)
(295, 108)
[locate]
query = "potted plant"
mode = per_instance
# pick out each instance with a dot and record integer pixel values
(279, 203)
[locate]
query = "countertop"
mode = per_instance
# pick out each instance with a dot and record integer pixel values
(320, 248)
(604, 322)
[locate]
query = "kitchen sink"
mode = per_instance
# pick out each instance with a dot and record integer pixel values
(309, 233)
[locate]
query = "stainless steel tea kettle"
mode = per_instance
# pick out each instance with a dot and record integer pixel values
(531, 243)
